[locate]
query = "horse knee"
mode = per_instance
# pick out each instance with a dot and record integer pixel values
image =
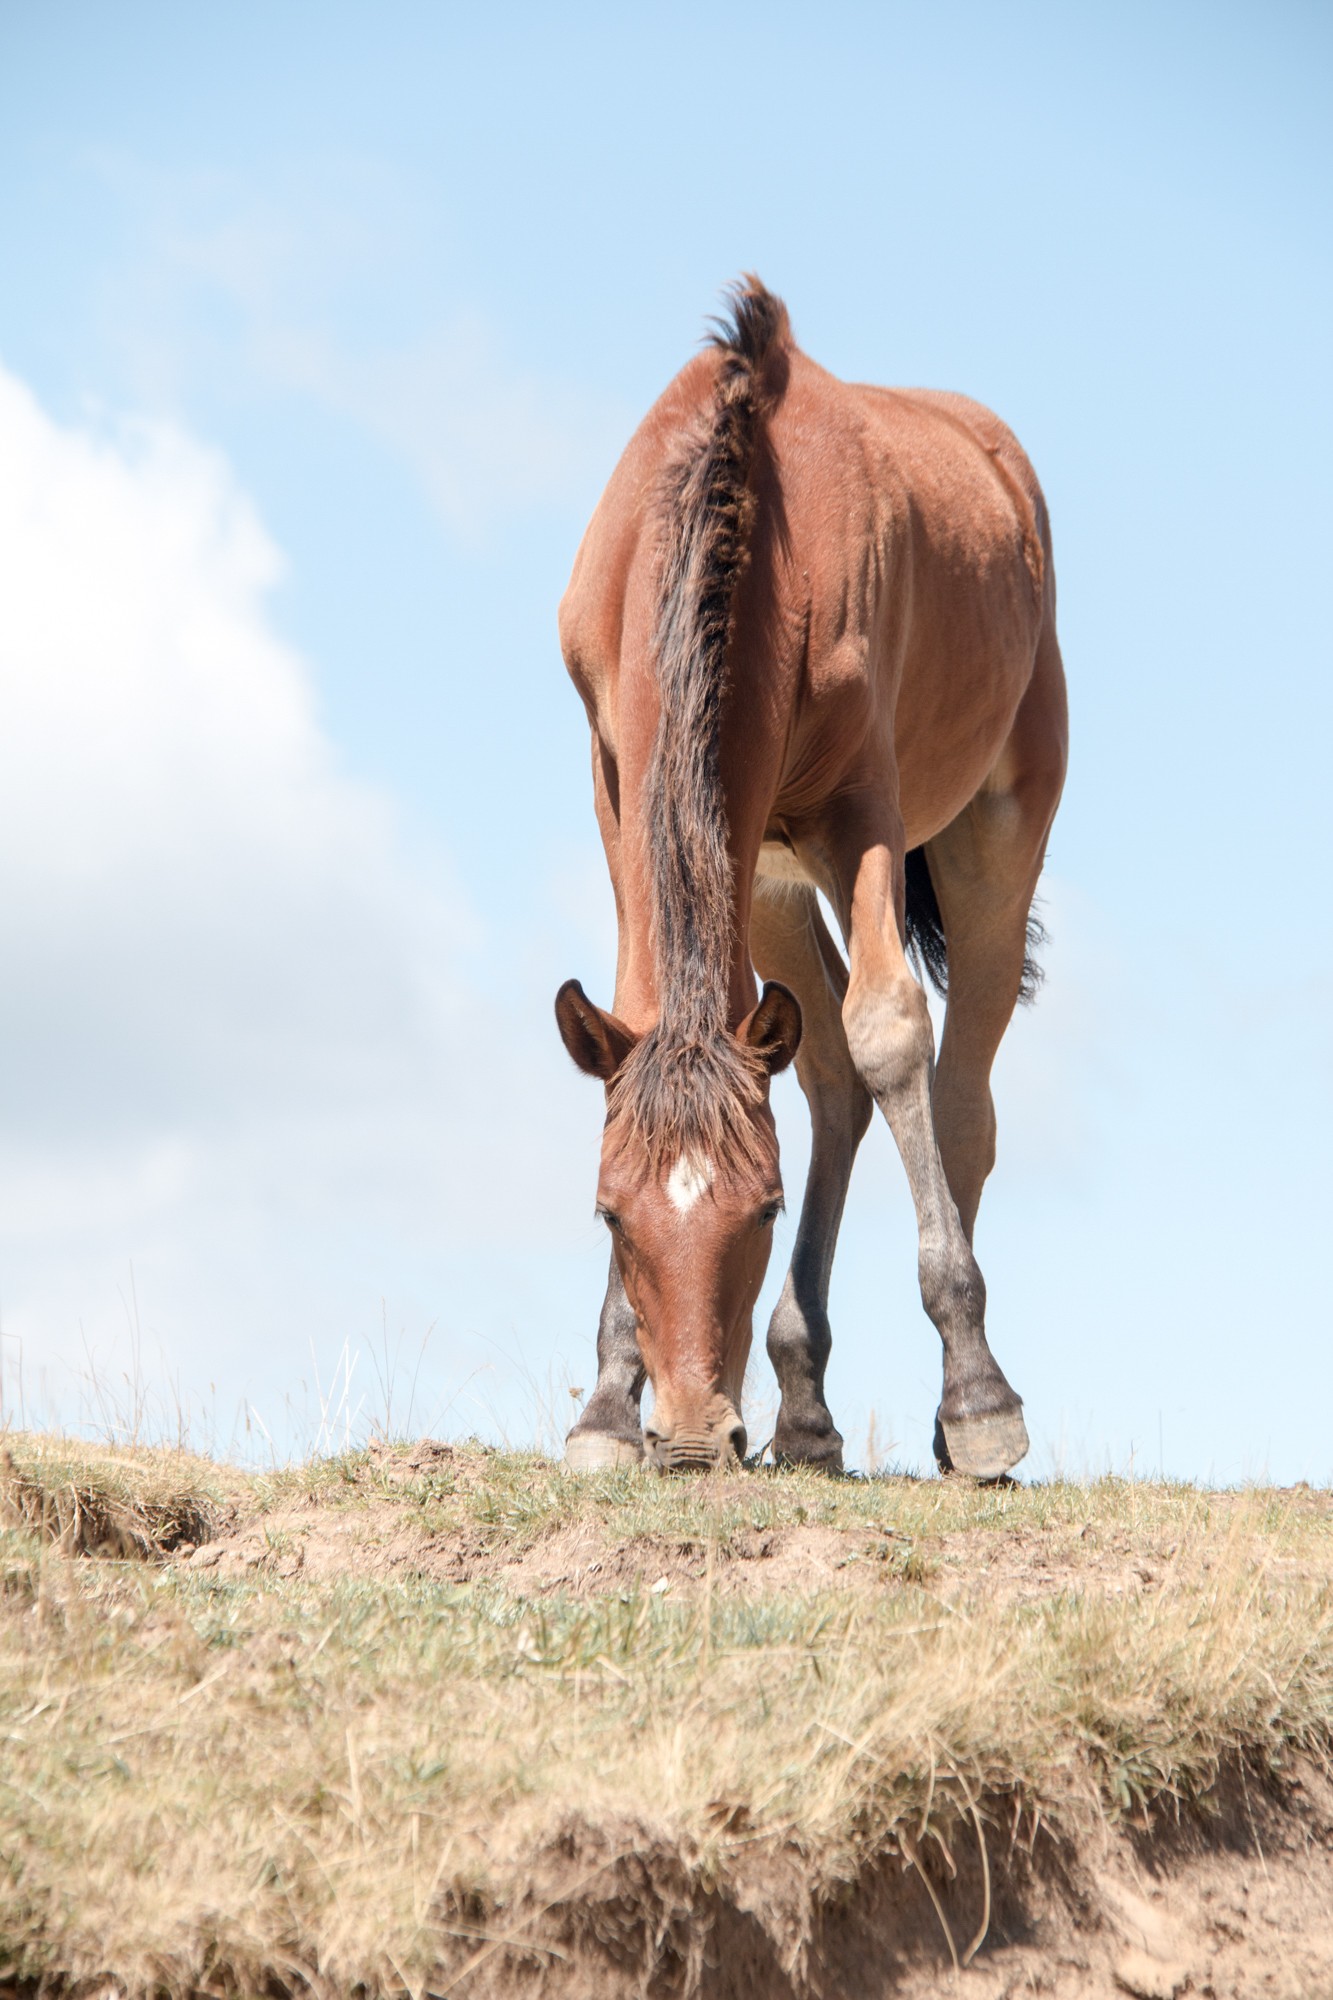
(889, 1034)
(798, 1334)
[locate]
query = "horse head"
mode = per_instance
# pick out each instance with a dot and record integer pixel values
(689, 1188)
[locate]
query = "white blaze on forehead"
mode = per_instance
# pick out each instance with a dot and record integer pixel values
(687, 1180)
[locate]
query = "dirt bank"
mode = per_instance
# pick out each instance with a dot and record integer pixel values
(428, 1720)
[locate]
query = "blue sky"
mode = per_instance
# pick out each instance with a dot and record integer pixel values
(321, 330)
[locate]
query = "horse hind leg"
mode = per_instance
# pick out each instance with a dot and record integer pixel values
(984, 869)
(892, 1045)
(989, 934)
(987, 941)
(790, 942)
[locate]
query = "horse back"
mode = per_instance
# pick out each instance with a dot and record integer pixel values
(887, 620)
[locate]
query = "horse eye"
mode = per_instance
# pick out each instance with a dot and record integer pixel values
(610, 1218)
(769, 1215)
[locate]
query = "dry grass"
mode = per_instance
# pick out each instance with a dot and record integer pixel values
(112, 1502)
(218, 1781)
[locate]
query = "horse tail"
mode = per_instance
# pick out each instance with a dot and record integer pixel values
(928, 946)
(707, 513)
(926, 942)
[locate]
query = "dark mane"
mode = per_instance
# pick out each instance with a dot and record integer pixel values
(688, 1084)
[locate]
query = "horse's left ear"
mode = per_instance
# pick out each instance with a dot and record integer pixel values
(773, 1030)
(596, 1040)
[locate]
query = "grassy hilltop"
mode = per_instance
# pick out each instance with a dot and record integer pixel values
(424, 1719)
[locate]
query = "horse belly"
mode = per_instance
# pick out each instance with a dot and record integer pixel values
(780, 864)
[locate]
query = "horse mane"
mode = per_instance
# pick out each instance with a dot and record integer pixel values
(688, 1083)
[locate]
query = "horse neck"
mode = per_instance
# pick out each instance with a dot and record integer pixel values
(726, 992)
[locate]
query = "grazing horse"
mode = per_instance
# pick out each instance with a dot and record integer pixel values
(813, 626)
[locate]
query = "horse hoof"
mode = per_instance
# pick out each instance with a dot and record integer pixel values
(594, 1451)
(981, 1447)
(821, 1454)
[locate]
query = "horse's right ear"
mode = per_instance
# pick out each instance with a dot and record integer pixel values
(597, 1041)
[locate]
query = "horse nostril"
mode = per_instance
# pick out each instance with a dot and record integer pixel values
(739, 1440)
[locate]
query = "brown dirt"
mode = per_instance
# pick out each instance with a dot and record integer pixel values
(1232, 1907)
(1232, 1904)
(579, 1560)
(378, 1537)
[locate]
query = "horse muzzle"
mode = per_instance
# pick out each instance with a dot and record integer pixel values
(686, 1449)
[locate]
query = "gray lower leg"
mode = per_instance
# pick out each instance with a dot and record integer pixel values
(799, 1340)
(790, 942)
(608, 1432)
(979, 1427)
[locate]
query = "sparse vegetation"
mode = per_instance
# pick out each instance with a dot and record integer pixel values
(403, 1719)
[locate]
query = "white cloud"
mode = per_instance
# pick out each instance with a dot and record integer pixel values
(181, 865)
(484, 437)
(240, 1048)
(260, 292)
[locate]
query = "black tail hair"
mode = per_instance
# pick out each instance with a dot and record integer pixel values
(928, 947)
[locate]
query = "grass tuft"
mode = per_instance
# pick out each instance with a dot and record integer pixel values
(118, 1503)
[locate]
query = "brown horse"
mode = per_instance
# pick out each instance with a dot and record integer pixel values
(813, 626)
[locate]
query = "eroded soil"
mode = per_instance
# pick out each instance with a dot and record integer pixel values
(1233, 1902)
(1237, 1905)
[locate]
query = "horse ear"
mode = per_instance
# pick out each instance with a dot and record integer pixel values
(597, 1041)
(773, 1030)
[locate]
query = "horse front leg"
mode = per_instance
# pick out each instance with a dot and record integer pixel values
(609, 1432)
(790, 942)
(979, 1426)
